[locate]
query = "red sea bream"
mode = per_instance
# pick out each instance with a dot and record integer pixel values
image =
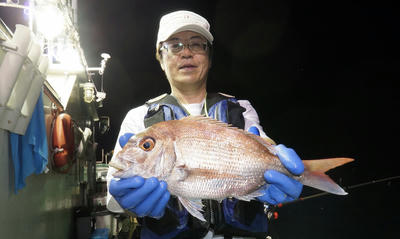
(201, 158)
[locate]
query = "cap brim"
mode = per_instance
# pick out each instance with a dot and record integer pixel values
(190, 27)
(194, 28)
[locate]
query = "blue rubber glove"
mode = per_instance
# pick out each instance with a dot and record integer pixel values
(143, 197)
(124, 139)
(280, 188)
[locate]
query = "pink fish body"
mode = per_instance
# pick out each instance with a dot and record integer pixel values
(201, 158)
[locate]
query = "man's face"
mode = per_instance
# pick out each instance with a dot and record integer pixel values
(185, 68)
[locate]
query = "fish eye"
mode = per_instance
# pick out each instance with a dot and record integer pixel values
(147, 144)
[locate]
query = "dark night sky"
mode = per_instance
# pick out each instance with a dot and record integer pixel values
(322, 76)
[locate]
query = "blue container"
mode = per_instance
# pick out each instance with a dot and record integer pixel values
(100, 233)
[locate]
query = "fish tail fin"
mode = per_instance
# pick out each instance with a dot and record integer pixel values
(314, 174)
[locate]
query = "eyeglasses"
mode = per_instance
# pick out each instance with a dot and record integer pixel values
(194, 45)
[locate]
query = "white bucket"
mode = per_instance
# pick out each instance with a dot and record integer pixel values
(13, 61)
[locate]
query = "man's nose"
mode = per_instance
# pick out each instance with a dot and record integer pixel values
(186, 52)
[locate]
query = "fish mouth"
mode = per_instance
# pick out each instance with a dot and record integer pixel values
(118, 166)
(121, 169)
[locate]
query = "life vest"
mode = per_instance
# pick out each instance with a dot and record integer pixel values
(224, 108)
(63, 143)
(220, 106)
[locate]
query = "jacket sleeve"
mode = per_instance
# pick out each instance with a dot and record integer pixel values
(174, 220)
(132, 123)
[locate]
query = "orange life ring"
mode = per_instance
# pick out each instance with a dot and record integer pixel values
(63, 143)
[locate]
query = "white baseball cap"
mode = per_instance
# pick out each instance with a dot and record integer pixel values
(179, 21)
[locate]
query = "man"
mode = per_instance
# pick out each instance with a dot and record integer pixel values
(183, 49)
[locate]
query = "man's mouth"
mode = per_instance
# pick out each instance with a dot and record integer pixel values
(187, 66)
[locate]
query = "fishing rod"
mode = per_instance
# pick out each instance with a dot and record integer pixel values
(271, 210)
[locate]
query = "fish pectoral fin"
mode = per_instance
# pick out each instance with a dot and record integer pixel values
(251, 196)
(181, 172)
(193, 206)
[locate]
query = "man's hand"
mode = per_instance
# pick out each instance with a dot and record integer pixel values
(143, 197)
(123, 139)
(280, 188)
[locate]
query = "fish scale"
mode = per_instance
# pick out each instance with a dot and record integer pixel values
(224, 157)
(202, 158)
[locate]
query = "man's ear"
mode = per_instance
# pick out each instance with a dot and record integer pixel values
(162, 64)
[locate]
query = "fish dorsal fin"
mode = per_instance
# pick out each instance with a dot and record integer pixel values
(209, 120)
(200, 118)
(193, 206)
(262, 141)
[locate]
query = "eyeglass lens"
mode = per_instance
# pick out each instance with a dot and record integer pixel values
(195, 45)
